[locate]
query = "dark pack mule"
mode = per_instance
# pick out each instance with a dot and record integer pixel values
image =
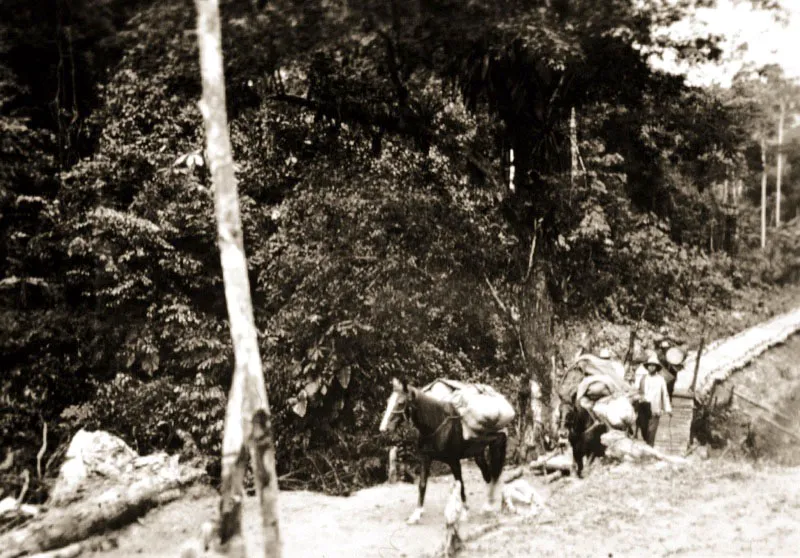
(441, 438)
(583, 432)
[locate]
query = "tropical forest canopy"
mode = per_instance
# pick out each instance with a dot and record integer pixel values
(395, 160)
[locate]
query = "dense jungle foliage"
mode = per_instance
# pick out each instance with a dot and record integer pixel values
(372, 142)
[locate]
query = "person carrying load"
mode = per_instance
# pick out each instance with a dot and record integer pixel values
(670, 355)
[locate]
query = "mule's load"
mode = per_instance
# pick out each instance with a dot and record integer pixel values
(606, 396)
(601, 364)
(482, 409)
(616, 410)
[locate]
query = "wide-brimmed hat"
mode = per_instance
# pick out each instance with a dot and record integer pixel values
(653, 361)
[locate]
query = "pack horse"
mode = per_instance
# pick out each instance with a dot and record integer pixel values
(455, 421)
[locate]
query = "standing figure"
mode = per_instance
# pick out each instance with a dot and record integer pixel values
(655, 399)
(670, 355)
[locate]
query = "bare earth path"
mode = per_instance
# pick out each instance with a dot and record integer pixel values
(713, 508)
(368, 524)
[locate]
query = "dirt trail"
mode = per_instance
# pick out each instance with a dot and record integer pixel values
(715, 508)
(368, 524)
(719, 508)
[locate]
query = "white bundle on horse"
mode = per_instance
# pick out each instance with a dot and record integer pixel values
(442, 389)
(616, 410)
(595, 387)
(592, 364)
(482, 409)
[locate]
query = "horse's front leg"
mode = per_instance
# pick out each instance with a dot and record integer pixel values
(455, 466)
(577, 455)
(425, 470)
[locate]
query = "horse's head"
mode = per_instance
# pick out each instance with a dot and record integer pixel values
(399, 405)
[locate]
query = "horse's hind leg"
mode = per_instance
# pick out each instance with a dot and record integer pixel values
(497, 459)
(577, 456)
(425, 470)
(483, 465)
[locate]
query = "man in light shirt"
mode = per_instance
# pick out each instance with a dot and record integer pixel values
(655, 399)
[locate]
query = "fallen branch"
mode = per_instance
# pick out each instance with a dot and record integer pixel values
(532, 252)
(497, 299)
(41, 451)
(67, 552)
(554, 476)
(8, 461)
(512, 474)
(26, 480)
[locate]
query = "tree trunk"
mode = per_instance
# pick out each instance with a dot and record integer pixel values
(512, 185)
(247, 419)
(763, 193)
(573, 146)
(536, 333)
(779, 165)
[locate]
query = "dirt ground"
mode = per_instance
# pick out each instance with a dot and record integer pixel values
(719, 508)
(368, 524)
(709, 509)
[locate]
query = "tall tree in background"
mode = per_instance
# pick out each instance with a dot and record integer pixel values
(765, 97)
(749, 92)
(248, 421)
(781, 96)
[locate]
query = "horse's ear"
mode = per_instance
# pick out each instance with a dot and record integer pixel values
(397, 386)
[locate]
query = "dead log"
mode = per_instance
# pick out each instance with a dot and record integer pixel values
(512, 474)
(619, 446)
(550, 463)
(70, 551)
(112, 507)
(553, 477)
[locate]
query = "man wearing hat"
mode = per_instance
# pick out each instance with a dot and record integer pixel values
(669, 355)
(655, 399)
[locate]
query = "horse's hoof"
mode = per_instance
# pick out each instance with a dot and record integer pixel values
(488, 508)
(414, 518)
